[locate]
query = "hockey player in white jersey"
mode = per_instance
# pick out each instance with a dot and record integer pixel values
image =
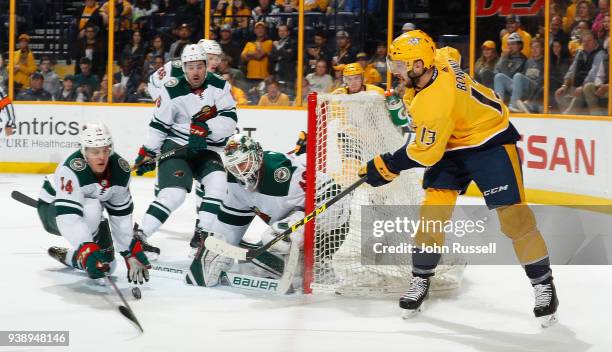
(71, 205)
(261, 183)
(7, 114)
(195, 110)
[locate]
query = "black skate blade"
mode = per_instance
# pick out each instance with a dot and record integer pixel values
(128, 314)
(547, 321)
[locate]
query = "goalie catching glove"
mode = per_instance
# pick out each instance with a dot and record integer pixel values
(90, 258)
(378, 171)
(137, 263)
(141, 165)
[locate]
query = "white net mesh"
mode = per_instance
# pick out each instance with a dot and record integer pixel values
(350, 130)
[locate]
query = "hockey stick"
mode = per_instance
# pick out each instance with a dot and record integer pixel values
(228, 250)
(161, 157)
(22, 198)
(125, 309)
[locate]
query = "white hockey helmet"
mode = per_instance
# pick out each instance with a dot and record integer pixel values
(192, 52)
(95, 135)
(243, 158)
(210, 46)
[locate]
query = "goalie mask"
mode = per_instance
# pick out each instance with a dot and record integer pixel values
(243, 158)
(95, 135)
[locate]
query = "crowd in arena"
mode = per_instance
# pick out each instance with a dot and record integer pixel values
(258, 38)
(578, 66)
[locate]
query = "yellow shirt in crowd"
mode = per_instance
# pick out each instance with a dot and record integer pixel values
(281, 100)
(257, 69)
(526, 41)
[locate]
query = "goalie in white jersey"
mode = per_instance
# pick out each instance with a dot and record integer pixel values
(71, 205)
(267, 184)
(197, 111)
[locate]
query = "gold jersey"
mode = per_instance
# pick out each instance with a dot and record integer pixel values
(453, 112)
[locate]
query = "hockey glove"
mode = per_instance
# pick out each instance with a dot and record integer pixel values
(90, 258)
(300, 145)
(141, 165)
(137, 263)
(378, 171)
(197, 136)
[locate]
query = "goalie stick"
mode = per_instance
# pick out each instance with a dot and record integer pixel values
(221, 247)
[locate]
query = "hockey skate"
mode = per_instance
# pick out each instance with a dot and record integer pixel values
(198, 238)
(546, 304)
(59, 254)
(412, 301)
(152, 252)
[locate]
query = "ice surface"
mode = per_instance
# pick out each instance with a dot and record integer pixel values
(491, 312)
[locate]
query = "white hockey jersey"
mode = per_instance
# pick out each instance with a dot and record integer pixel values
(178, 103)
(172, 68)
(73, 181)
(7, 114)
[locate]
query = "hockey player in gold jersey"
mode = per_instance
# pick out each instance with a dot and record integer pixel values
(354, 82)
(462, 134)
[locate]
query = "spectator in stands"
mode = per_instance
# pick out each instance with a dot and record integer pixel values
(584, 12)
(527, 88)
(158, 47)
(603, 10)
(316, 5)
(192, 14)
(283, 56)
(355, 6)
(229, 46)
(512, 62)
(266, 13)
(123, 20)
(570, 96)
(513, 25)
(154, 64)
(317, 51)
(370, 74)
(237, 93)
(127, 77)
(255, 55)
(237, 15)
(559, 64)
(100, 95)
(556, 30)
(184, 33)
(379, 60)
(89, 14)
(603, 36)
(408, 26)
(484, 69)
(25, 64)
(320, 81)
(51, 81)
(140, 95)
(135, 50)
(598, 89)
(93, 48)
(36, 91)
(274, 96)
(119, 93)
(169, 6)
(345, 54)
(142, 12)
(287, 5)
(86, 79)
(575, 43)
(226, 67)
(68, 91)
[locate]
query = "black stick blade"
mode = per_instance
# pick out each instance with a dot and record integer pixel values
(22, 198)
(128, 314)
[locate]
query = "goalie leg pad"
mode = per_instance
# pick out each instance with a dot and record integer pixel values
(519, 224)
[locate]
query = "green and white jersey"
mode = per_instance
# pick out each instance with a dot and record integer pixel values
(172, 68)
(74, 181)
(178, 103)
(279, 192)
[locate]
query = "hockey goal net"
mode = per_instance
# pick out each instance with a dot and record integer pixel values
(344, 132)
